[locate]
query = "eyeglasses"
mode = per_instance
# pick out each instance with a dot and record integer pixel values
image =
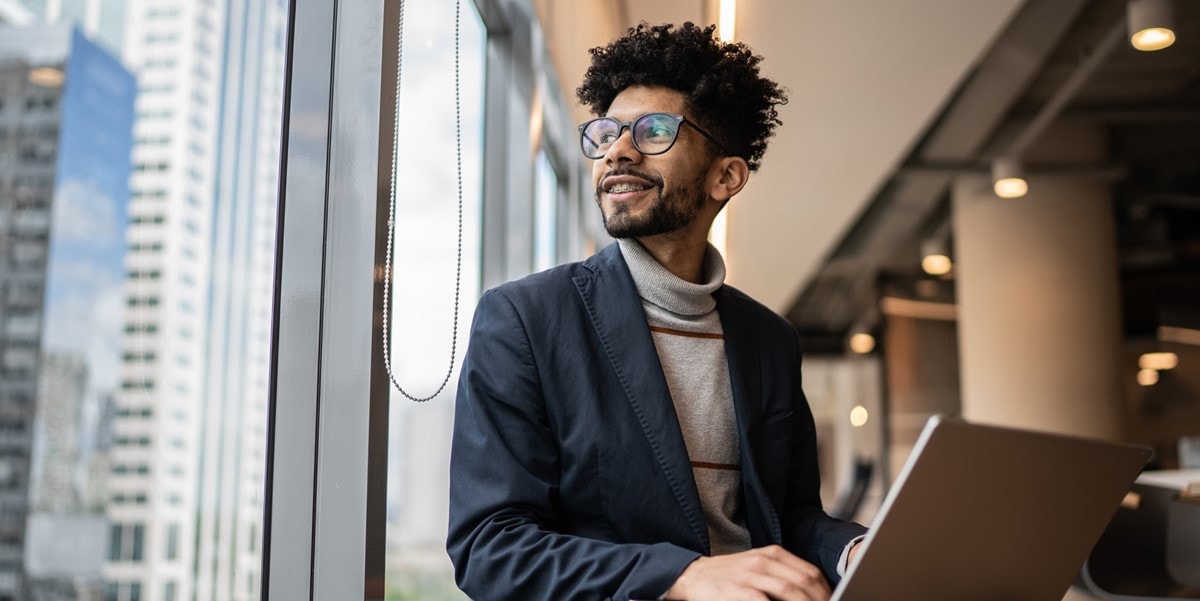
(653, 133)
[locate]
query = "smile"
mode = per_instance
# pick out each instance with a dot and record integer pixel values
(627, 187)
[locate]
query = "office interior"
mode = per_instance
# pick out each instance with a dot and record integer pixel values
(1048, 310)
(986, 209)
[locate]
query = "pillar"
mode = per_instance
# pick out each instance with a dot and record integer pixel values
(1039, 306)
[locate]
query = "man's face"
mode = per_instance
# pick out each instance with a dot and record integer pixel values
(643, 195)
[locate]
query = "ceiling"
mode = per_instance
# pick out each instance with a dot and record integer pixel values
(1148, 105)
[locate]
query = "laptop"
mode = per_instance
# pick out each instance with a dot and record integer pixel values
(990, 513)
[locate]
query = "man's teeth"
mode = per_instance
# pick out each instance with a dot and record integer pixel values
(626, 188)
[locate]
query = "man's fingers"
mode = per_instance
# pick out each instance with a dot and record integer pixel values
(754, 574)
(786, 584)
(787, 558)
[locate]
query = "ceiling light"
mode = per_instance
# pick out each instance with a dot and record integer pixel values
(1147, 377)
(1159, 361)
(934, 258)
(1008, 178)
(858, 416)
(936, 264)
(862, 343)
(727, 20)
(50, 77)
(1151, 24)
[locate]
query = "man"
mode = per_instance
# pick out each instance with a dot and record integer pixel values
(628, 427)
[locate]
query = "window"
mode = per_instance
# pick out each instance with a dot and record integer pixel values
(417, 566)
(425, 250)
(139, 535)
(545, 213)
(172, 544)
(115, 532)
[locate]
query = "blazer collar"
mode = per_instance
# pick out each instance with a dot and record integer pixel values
(615, 310)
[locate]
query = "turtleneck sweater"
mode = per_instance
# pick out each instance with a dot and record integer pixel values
(690, 342)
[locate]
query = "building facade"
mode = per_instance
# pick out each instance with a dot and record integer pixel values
(66, 113)
(197, 327)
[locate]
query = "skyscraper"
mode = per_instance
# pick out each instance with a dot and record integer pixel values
(66, 110)
(200, 265)
(180, 438)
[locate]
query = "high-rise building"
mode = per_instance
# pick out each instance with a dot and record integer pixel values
(101, 21)
(180, 440)
(176, 50)
(197, 328)
(66, 113)
(237, 370)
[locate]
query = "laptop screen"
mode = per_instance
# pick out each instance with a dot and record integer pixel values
(985, 512)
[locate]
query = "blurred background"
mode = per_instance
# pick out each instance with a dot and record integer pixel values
(981, 208)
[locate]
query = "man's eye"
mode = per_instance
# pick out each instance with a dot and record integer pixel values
(660, 132)
(608, 138)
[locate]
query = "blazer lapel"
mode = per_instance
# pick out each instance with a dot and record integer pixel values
(615, 310)
(745, 376)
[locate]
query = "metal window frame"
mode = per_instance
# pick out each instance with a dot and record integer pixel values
(327, 435)
(316, 497)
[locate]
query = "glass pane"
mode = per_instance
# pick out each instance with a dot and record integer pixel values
(424, 258)
(545, 213)
(139, 153)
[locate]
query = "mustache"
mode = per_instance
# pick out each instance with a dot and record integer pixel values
(654, 179)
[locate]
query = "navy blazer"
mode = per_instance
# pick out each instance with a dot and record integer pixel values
(569, 478)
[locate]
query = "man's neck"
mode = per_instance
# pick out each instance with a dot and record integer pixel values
(681, 254)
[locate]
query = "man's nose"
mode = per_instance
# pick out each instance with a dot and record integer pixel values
(622, 148)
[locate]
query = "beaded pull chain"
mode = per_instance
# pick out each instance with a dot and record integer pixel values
(387, 268)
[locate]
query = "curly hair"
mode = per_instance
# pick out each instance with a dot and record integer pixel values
(721, 82)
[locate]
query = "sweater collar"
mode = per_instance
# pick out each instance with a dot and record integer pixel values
(657, 285)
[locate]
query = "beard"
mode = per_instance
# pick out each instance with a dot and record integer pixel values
(671, 210)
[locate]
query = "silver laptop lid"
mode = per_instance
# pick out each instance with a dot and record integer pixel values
(984, 512)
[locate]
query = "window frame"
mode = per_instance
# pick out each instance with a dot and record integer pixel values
(328, 411)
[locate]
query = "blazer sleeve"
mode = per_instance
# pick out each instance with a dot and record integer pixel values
(505, 539)
(807, 530)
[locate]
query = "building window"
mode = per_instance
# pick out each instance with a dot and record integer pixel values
(172, 546)
(139, 532)
(114, 543)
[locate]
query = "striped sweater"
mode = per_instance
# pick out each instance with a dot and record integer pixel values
(691, 348)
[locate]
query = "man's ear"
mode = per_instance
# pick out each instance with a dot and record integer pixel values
(727, 177)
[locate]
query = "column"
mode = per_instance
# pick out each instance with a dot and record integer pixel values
(1039, 306)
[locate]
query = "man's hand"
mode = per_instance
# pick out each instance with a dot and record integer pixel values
(765, 574)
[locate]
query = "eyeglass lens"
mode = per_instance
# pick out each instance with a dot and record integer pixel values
(652, 134)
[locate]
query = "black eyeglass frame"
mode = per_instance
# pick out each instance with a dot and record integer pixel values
(680, 120)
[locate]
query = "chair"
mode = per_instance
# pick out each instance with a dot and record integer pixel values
(1148, 552)
(851, 500)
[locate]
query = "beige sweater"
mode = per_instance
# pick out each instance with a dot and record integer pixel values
(691, 348)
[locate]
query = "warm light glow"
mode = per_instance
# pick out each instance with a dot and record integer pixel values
(535, 123)
(1011, 187)
(1152, 38)
(858, 416)
(727, 20)
(1147, 377)
(1132, 500)
(718, 235)
(1159, 361)
(862, 343)
(47, 76)
(936, 264)
(1151, 24)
